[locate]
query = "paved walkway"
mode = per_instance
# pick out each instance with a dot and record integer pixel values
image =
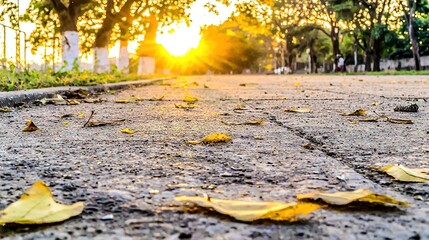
(134, 178)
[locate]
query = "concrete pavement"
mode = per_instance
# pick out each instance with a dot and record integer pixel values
(134, 178)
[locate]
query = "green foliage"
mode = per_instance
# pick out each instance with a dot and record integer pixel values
(10, 79)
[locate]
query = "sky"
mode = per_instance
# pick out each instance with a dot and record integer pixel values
(177, 42)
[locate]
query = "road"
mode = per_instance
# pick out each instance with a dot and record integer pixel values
(128, 182)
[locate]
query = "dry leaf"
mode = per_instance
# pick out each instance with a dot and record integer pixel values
(94, 100)
(77, 94)
(190, 99)
(73, 102)
(213, 138)
(30, 127)
(254, 122)
(188, 106)
(298, 110)
(404, 174)
(157, 99)
(96, 123)
(359, 112)
(80, 115)
(399, 121)
(296, 84)
(6, 109)
(65, 123)
(344, 198)
(247, 84)
(253, 211)
(368, 120)
(259, 137)
(240, 107)
(68, 115)
(128, 131)
(205, 86)
(37, 206)
(129, 100)
(58, 100)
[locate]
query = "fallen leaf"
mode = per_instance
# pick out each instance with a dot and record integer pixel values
(73, 102)
(58, 100)
(65, 123)
(157, 99)
(128, 131)
(30, 127)
(410, 108)
(296, 84)
(94, 100)
(68, 115)
(376, 103)
(247, 84)
(359, 112)
(240, 107)
(213, 138)
(77, 94)
(205, 86)
(404, 174)
(368, 120)
(129, 100)
(188, 106)
(399, 121)
(253, 211)
(80, 115)
(298, 110)
(254, 122)
(259, 137)
(37, 206)
(96, 123)
(6, 109)
(190, 99)
(344, 198)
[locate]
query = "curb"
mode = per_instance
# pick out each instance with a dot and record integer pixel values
(19, 98)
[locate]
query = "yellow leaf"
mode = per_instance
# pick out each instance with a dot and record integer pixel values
(6, 109)
(254, 122)
(252, 211)
(128, 131)
(344, 198)
(81, 115)
(213, 138)
(190, 99)
(404, 174)
(73, 102)
(129, 100)
(65, 123)
(359, 112)
(297, 84)
(30, 127)
(157, 99)
(37, 206)
(298, 110)
(240, 107)
(399, 121)
(181, 106)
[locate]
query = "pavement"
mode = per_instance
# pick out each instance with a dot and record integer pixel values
(128, 182)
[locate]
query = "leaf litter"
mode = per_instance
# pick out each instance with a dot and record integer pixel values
(252, 211)
(359, 112)
(404, 174)
(344, 198)
(37, 206)
(253, 122)
(30, 126)
(212, 138)
(298, 110)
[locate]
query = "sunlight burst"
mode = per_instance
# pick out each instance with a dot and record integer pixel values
(181, 40)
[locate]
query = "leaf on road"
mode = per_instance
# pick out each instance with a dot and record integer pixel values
(213, 138)
(298, 110)
(344, 198)
(128, 131)
(73, 102)
(240, 107)
(254, 122)
(182, 106)
(410, 108)
(30, 127)
(190, 99)
(97, 123)
(368, 120)
(296, 84)
(58, 100)
(68, 115)
(157, 98)
(94, 100)
(77, 94)
(253, 211)
(404, 174)
(80, 115)
(399, 121)
(37, 206)
(129, 100)
(359, 112)
(6, 109)
(247, 84)
(205, 86)
(65, 123)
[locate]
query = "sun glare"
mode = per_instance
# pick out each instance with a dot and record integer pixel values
(180, 41)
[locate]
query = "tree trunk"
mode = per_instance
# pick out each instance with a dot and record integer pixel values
(70, 37)
(335, 45)
(101, 46)
(414, 44)
(368, 60)
(355, 53)
(123, 61)
(376, 58)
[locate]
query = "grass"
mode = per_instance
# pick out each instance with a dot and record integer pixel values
(11, 80)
